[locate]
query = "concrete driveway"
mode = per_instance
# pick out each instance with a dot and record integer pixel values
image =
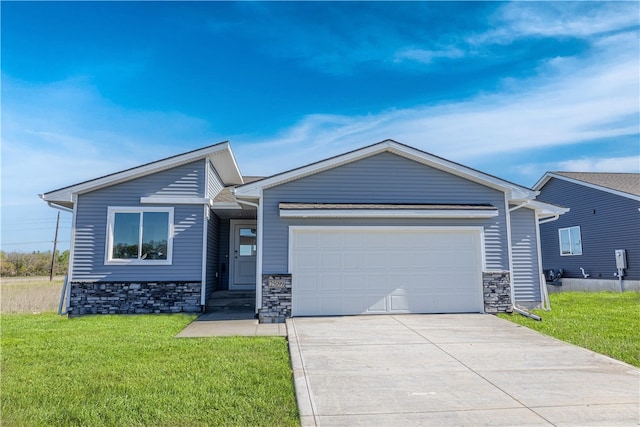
(452, 370)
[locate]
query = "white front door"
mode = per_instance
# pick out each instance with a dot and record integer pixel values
(242, 255)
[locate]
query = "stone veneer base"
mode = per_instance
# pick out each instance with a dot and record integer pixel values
(496, 287)
(276, 295)
(134, 297)
(276, 298)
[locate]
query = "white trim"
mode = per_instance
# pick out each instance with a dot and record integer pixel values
(259, 225)
(387, 213)
(176, 200)
(112, 210)
(570, 242)
(226, 168)
(507, 215)
(513, 190)
(225, 205)
(544, 293)
(205, 244)
(72, 245)
(547, 176)
(232, 242)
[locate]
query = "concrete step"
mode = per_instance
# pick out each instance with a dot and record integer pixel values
(229, 301)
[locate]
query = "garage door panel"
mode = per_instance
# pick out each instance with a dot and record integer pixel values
(386, 271)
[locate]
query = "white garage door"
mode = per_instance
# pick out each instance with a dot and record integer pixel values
(385, 270)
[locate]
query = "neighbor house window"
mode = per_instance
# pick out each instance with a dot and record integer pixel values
(570, 241)
(139, 235)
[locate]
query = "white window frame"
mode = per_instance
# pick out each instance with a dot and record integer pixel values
(111, 212)
(568, 229)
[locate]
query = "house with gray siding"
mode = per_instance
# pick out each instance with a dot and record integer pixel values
(383, 229)
(601, 230)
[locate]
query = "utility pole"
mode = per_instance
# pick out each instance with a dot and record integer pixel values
(55, 243)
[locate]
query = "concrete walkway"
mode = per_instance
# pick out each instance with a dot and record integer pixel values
(235, 323)
(452, 370)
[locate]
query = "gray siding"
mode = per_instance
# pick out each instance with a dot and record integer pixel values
(91, 221)
(214, 183)
(526, 272)
(607, 222)
(213, 241)
(223, 256)
(383, 178)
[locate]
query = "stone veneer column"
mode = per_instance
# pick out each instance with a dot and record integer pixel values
(497, 291)
(276, 298)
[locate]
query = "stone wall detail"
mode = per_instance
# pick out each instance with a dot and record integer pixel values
(496, 287)
(134, 297)
(276, 298)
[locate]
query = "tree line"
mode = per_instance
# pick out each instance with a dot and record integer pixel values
(13, 264)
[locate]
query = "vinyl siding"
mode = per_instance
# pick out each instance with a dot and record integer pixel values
(526, 272)
(91, 218)
(213, 241)
(383, 178)
(607, 222)
(214, 183)
(223, 255)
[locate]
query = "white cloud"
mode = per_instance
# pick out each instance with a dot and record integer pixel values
(575, 100)
(610, 164)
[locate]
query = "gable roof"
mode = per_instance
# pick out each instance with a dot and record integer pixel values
(621, 184)
(219, 154)
(513, 191)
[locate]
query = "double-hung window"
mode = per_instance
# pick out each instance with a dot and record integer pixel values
(141, 235)
(570, 241)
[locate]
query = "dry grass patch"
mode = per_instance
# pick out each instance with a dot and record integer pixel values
(29, 294)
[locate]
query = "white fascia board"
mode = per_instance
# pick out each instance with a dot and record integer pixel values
(225, 205)
(513, 191)
(386, 213)
(175, 201)
(545, 209)
(219, 152)
(547, 176)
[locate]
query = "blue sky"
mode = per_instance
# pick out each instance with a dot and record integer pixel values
(512, 89)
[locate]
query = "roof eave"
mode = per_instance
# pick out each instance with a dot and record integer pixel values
(220, 155)
(512, 190)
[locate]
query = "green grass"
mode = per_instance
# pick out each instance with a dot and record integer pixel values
(605, 322)
(129, 370)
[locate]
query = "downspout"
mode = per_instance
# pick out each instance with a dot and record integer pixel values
(551, 219)
(510, 249)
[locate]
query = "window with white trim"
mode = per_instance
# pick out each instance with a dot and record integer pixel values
(140, 235)
(570, 241)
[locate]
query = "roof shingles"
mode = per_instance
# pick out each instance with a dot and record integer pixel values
(625, 182)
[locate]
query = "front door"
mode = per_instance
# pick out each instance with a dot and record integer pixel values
(242, 253)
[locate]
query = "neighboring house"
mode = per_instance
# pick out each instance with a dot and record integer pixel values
(383, 229)
(604, 217)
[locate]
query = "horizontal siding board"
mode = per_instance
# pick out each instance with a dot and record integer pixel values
(526, 272)
(383, 178)
(213, 241)
(91, 219)
(214, 183)
(607, 222)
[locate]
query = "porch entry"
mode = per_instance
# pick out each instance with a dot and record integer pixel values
(242, 255)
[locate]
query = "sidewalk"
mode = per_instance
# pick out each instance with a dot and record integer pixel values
(225, 324)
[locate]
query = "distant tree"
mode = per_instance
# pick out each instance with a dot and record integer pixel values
(33, 264)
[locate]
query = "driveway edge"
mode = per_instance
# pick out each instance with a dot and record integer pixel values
(302, 389)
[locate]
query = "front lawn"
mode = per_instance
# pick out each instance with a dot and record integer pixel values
(605, 322)
(129, 370)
